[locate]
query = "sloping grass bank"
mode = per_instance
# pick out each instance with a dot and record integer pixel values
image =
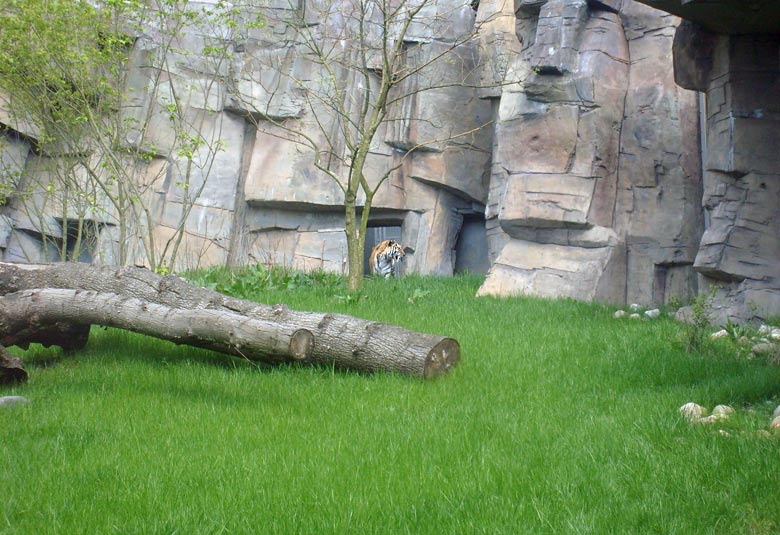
(559, 419)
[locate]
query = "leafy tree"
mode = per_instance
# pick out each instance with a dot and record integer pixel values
(59, 71)
(64, 70)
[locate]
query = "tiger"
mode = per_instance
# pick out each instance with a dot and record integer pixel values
(385, 257)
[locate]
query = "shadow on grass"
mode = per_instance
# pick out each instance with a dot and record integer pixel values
(115, 345)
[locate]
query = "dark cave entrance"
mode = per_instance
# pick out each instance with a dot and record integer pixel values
(471, 248)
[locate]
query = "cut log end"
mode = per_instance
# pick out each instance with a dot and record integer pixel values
(301, 344)
(441, 358)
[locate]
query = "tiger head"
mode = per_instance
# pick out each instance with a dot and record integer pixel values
(386, 256)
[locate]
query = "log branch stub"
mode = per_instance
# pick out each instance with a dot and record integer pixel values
(301, 344)
(11, 369)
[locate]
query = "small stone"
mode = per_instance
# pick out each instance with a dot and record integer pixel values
(692, 411)
(635, 316)
(654, 313)
(684, 315)
(724, 433)
(764, 329)
(723, 333)
(777, 412)
(775, 334)
(764, 348)
(774, 425)
(634, 307)
(722, 412)
(10, 401)
(711, 419)
(620, 314)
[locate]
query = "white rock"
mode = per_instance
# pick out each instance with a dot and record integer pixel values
(724, 433)
(723, 333)
(764, 348)
(634, 307)
(777, 412)
(620, 314)
(9, 401)
(692, 411)
(775, 334)
(775, 424)
(764, 329)
(722, 412)
(711, 419)
(635, 316)
(654, 313)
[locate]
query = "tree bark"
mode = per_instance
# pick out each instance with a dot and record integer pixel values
(170, 308)
(11, 368)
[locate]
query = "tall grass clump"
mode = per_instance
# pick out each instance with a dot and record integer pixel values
(558, 419)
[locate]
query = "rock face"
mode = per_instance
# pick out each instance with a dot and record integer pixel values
(739, 251)
(596, 177)
(587, 183)
(251, 193)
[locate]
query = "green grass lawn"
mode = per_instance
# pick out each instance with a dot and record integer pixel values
(558, 419)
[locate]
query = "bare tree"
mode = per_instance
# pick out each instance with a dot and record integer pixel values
(347, 72)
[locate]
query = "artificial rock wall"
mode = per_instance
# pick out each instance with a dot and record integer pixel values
(739, 253)
(252, 193)
(595, 182)
(587, 183)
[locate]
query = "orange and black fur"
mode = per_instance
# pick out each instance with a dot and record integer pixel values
(385, 257)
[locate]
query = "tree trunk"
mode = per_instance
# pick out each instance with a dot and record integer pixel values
(170, 308)
(354, 254)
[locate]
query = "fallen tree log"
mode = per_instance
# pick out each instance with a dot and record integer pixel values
(171, 308)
